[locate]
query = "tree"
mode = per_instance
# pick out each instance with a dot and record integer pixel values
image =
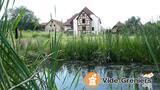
(152, 27)
(28, 21)
(133, 24)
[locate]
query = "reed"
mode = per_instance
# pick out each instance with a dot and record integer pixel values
(15, 71)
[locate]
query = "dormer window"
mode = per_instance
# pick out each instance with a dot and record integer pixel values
(83, 21)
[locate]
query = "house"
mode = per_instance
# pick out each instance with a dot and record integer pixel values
(117, 27)
(43, 25)
(53, 25)
(83, 22)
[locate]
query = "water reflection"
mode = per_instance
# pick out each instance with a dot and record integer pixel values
(68, 72)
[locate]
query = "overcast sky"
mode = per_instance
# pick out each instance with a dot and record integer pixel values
(110, 11)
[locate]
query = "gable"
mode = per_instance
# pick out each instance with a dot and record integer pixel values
(88, 12)
(84, 19)
(83, 14)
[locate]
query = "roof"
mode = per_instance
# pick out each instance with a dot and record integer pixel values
(68, 22)
(118, 24)
(86, 10)
(58, 22)
(44, 23)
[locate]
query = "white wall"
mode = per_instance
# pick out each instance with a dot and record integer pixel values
(48, 28)
(96, 24)
(67, 28)
(75, 27)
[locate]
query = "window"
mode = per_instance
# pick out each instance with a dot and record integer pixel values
(92, 28)
(83, 14)
(83, 21)
(83, 28)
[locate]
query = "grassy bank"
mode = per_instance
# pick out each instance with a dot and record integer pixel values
(109, 48)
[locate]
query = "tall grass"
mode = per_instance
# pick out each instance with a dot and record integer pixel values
(122, 48)
(117, 48)
(14, 71)
(17, 71)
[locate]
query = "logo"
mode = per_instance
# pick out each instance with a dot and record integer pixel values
(92, 79)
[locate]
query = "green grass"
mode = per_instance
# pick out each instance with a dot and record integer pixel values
(16, 71)
(117, 48)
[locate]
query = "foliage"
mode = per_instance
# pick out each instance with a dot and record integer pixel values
(28, 21)
(15, 71)
(133, 24)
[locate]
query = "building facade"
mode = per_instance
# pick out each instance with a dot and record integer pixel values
(53, 25)
(118, 27)
(84, 22)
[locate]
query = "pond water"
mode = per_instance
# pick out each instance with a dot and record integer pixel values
(67, 73)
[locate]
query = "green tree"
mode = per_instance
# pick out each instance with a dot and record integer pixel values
(152, 27)
(28, 21)
(133, 24)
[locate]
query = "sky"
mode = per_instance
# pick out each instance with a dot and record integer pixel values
(109, 11)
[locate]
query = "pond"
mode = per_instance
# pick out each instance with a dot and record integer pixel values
(74, 73)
